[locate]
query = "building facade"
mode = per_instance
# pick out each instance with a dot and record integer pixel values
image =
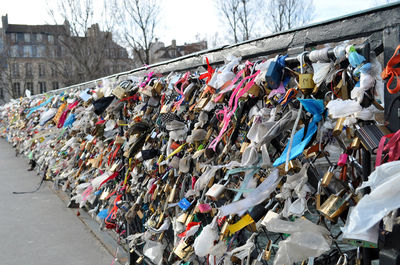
(40, 58)
(159, 52)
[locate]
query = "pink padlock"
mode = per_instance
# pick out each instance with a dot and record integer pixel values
(342, 159)
(204, 208)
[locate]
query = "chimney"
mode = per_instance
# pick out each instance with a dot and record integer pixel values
(4, 21)
(173, 44)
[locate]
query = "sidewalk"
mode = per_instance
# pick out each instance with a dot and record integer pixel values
(37, 228)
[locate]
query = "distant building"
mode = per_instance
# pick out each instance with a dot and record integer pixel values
(159, 52)
(36, 57)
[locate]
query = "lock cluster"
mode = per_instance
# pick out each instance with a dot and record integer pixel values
(281, 160)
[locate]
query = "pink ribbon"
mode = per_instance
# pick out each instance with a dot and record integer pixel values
(87, 192)
(392, 148)
(149, 75)
(184, 82)
(230, 86)
(230, 110)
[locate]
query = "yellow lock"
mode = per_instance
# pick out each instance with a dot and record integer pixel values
(183, 250)
(335, 205)
(306, 83)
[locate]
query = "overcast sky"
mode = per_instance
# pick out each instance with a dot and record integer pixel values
(182, 19)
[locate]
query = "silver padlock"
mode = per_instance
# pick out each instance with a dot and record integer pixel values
(216, 190)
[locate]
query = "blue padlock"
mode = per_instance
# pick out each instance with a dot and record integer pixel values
(184, 204)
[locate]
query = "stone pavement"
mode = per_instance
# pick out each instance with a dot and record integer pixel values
(37, 228)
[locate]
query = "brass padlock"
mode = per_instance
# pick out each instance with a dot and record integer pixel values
(119, 92)
(355, 144)
(326, 179)
(335, 205)
(293, 166)
(183, 250)
(224, 230)
(338, 126)
(267, 251)
(171, 197)
(158, 87)
(306, 83)
(318, 197)
(140, 260)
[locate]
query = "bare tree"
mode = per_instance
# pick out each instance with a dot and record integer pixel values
(286, 14)
(13, 78)
(246, 23)
(230, 14)
(85, 45)
(214, 40)
(138, 21)
(239, 16)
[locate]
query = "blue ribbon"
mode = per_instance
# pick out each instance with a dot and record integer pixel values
(315, 107)
(31, 110)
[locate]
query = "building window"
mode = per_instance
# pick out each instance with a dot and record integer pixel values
(34, 51)
(39, 37)
(53, 72)
(41, 51)
(50, 39)
(14, 51)
(33, 37)
(15, 70)
(55, 85)
(58, 51)
(29, 86)
(42, 87)
(27, 37)
(28, 70)
(20, 51)
(16, 89)
(52, 52)
(13, 37)
(20, 37)
(27, 51)
(42, 70)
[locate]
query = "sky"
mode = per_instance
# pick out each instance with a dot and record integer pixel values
(183, 20)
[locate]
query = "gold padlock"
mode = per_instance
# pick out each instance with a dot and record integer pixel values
(335, 205)
(338, 127)
(140, 260)
(183, 250)
(306, 83)
(267, 251)
(327, 177)
(355, 144)
(171, 197)
(119, 92)
(158, 87)
(293, 166)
